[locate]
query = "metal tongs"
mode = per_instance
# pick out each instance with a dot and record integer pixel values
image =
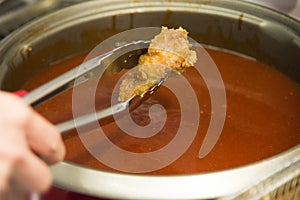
(67, 80)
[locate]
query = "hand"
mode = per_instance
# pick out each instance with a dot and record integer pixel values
(25, 138)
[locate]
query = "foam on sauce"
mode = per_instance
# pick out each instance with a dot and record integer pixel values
(263, 115)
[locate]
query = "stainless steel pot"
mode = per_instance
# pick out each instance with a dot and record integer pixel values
(266, 35)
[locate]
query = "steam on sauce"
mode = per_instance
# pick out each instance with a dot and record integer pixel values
(263, 115)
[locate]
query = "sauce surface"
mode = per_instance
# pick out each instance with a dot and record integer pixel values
(263, 115)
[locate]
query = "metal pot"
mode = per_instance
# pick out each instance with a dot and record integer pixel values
(263, 34)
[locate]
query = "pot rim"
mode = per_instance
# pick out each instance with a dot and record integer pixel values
(192, 186)
(116, 185)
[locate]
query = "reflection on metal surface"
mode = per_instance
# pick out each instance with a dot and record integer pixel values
(80, 179)
(290, 7)
(17, 12)
(284, 6)
(282, 185)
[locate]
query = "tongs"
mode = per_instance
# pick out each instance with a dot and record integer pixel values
(67, 80)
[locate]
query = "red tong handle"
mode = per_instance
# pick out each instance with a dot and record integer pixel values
(20, 93)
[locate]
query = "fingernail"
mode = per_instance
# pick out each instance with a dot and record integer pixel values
(34, 196)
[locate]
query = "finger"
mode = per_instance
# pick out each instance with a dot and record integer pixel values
(4, 174)
(42, 136)
(32, 173)
(15, 192)
(10, 189)
(44, 139)
(20, 135)
(18, 164)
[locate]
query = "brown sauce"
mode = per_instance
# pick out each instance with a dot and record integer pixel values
(263, 115)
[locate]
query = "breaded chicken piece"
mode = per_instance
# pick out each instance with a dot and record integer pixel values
(168, 51)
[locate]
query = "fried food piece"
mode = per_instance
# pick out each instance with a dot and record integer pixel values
(170, 48)
(168, 51)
